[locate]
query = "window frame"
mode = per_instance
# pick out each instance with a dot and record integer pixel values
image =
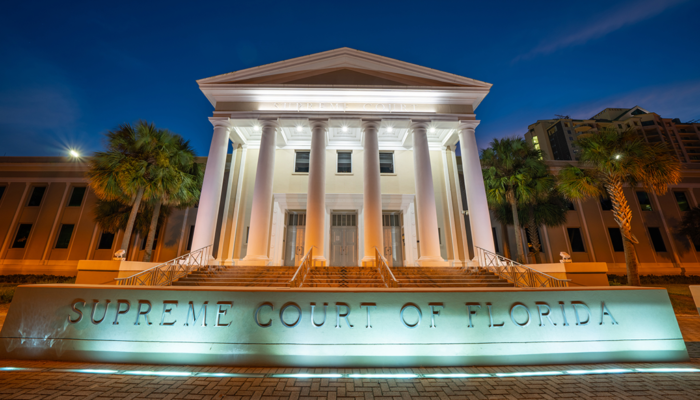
(31, 195)
(571, 241)
(82, 198)
(393, 162)
(296, 153)
(612, 241)
(29, 234)
(99, 242)
(639, 201)
(337, 162)
(58, 237)
(653, 242)
(687, 201)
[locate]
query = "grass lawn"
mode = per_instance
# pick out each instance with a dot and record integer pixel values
(681, 299)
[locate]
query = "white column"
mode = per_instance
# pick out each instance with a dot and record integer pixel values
(316, 195)
(261, 212)
(479, 217)
(425, 196)
(372, 197)
(208, 209)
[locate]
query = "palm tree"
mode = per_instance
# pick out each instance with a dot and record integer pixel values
(611, 159)
(113, 216)
(514, 174)
(549, 211)
(126, 170)
(178, 185)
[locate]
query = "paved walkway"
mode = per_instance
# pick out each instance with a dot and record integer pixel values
(51, 380)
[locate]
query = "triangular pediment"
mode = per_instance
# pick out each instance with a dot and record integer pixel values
(344, 67)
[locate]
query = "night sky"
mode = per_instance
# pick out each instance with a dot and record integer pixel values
(69, 71)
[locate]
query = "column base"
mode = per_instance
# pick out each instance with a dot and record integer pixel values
(320, 261)
(368, 261)
(255, 261)
(432, 262)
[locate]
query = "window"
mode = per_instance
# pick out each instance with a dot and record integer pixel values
(191, 236)
(64, 236)
(301, 163)
(570, 205)
(386, 163)
(155, 240)
(616, 239)
(682, 201)
(22, 236)
(606, 203)
(576, 240)
(76, 198)
(37, 195)
(644, 201)
(106, 241)
(657, 240)
(2, 191)
(344, 162)
(495, 239)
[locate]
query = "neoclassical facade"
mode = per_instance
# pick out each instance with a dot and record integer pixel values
(346, 153)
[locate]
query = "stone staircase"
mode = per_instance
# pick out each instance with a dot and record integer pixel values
(350, 277)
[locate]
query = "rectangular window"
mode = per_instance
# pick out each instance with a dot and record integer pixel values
(576, 240)
(495, 239)
(37, 195)
(386, 163)
(76, 198)
(606, 203)
(64, 236)
(344, 162)
(22, 236)
(644, 201)
(2, 191)
(657, 240)
(616, 239)
(106, 241)
(301, 162)
(190, 237)
(155, 240)
(570, 205)
(682, 201)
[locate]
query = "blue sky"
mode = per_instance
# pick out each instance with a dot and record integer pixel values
(69, 71)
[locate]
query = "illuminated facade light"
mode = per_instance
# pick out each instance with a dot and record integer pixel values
(344, 128)
(74, 153)
(299, 128)
(389, 129)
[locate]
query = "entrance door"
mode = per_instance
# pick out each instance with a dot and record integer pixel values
(294, 238)
(343, 239)
(393, 243)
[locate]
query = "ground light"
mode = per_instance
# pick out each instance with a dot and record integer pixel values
(607, 371)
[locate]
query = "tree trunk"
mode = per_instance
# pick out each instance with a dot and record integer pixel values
(506, 242)
(510, 197)
(152, 232)
(623, 216)
(534, 237)
(132, 219)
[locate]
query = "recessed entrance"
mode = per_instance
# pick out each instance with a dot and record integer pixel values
(294, 238)
(343, 239)
(393, 239)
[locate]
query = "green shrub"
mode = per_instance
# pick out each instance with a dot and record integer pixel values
(35, 279)
(617, 280)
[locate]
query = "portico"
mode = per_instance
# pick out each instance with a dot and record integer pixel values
(342, 138)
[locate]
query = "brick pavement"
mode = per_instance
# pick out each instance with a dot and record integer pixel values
(48, 383)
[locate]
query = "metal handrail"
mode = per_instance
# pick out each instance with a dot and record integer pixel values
(384, 270)
(168, 272)
(518, 274)
(303, 270)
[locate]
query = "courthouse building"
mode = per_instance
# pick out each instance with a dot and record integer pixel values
(347, 152)
(343, 151)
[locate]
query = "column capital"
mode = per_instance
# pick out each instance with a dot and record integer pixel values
(220, 122)
(371, 124)
(419, 124)
(269, 123)
(318, 124)
(469, 124)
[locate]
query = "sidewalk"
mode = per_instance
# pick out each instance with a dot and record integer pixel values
(50, 380)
